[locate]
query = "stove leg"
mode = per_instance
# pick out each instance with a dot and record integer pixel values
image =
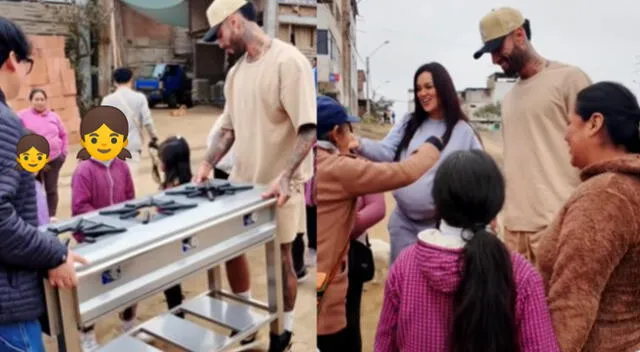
(214, 278)
(69, 337)
(61, 344)
(274, 283)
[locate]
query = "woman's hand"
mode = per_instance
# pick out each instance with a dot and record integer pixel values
(354, 143)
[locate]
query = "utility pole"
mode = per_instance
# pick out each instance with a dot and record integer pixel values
(368, 69)
(637, 69)
(368, 74)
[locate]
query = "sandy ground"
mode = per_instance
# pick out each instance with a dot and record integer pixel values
(373, 293)
(194, 127)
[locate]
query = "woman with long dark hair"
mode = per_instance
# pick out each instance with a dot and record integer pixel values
(589, 257)
(437, 113)
(458, 288)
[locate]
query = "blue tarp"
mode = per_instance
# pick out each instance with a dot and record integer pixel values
(171, 12)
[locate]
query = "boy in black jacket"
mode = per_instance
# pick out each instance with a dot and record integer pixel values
(24, 251)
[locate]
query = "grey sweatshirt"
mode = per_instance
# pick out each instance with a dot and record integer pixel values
(415, 200)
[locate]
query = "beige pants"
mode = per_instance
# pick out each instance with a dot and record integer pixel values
(525, 243)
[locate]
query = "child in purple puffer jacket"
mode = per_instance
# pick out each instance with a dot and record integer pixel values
(94, 185)
(41, 203)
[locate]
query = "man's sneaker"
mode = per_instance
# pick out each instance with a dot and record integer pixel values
(88, 341)
(302, 275)
(280, 343)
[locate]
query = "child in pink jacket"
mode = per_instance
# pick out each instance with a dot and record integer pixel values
(41, 202)
(98, 184)
(458, 288)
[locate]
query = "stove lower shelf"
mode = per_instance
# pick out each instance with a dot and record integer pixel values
(191, 336)
(128, 343)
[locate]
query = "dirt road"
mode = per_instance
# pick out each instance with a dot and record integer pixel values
(194, 127)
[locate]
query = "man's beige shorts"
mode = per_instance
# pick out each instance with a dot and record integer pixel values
(291, 217)
(525, 243)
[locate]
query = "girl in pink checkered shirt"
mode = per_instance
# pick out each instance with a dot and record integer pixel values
(458, 289)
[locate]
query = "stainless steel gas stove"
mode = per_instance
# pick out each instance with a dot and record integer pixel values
(140, 248)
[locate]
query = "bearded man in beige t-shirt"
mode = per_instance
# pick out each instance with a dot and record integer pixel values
(535, 115)
(270, 118)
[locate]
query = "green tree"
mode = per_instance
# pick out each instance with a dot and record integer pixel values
(489, 110)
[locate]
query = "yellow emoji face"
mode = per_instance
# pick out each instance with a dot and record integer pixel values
(33, 160)
(104, 144)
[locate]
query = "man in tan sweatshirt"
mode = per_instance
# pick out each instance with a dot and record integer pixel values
(535, 115)
(341, 178)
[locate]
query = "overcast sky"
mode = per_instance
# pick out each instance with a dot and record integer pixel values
(602, 38)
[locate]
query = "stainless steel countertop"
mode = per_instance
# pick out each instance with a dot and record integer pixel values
(139, 235)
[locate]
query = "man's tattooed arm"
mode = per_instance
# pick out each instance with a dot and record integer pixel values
(306, 138)
(222, 141)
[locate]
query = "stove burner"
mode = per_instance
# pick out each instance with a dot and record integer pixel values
(130, 210)
(86, 229)
(209, 190)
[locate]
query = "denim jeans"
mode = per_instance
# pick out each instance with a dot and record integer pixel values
(21, 337)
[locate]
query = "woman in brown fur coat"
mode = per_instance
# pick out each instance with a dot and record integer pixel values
(590, 256)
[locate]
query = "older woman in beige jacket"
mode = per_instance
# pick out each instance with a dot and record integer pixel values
(341, 178)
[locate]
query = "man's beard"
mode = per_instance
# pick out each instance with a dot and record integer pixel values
(238, 49)
(516, 62)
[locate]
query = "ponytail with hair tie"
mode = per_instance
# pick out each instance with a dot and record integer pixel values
(477, 227)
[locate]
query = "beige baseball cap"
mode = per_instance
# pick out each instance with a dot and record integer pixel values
(496, 25)
(219, 10)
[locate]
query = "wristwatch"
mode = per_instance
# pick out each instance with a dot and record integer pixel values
(436, 142)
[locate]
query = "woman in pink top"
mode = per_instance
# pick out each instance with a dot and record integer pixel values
(39, 119)
(458, 288)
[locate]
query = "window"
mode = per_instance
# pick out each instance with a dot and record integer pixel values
(323, 42)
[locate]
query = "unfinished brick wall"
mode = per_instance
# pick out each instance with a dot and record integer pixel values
(52, 72)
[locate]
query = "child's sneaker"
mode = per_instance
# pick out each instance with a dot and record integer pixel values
(127, 326)
(88, 341)
(310, 258)
(249, 343)
(302, 275)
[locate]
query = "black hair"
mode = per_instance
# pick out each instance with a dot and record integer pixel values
(122, 75)
(620, 109)
(527, 28)
(35, 91)
(249, 11)
(448, 99)
(12, 38)
(175, 155)
(469, 191)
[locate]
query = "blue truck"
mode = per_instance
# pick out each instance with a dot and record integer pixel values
(165, 84)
